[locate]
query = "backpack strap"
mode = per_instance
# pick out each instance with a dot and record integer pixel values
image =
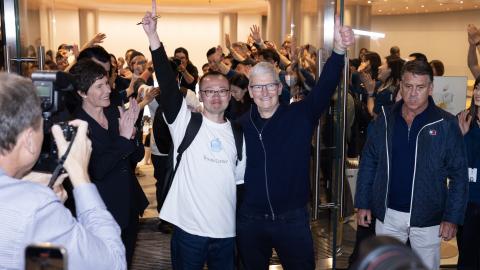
(192, 129)
(238, 136)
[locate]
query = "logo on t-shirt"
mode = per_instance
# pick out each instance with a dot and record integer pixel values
(216, 145)
(432, 132)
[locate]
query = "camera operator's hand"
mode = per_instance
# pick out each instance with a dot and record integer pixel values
(44, 178)
(77, 160)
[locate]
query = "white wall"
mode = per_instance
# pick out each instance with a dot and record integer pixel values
(245, 21)
(66, 28)
(197, 33)
(441, 36)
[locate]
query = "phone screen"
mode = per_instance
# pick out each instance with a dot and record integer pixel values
(45, 257)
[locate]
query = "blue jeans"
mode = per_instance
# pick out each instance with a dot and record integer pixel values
(190, 252)
(289, 234)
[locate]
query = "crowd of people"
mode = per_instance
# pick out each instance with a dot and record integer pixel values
(231, 153)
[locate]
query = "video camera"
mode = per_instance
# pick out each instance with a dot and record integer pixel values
(56, 91)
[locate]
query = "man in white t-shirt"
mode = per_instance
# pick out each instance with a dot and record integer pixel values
(202, 199)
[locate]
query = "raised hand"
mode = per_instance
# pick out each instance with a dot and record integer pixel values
(255, 31)
(464, 120)
(368, 82)
(75, 50)
(343, 36)
(98, 38)
(473, 34)
(149, 23)
(228, 44)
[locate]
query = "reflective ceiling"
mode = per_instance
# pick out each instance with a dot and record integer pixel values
(379, 7)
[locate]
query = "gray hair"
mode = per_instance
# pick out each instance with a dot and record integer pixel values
(264, 69)
(19, 109)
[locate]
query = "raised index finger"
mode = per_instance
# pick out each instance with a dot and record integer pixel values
(154, 8)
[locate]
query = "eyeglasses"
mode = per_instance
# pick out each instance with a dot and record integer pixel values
(211, 93)
(271, 87)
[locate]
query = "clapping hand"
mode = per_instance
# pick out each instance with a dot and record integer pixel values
(128, 118)
(343, 36)
(464, 120)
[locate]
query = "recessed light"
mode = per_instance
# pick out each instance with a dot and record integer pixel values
(441, 4)
(475, 6)
(422, 6)
(406, 7)
(461, 2)
(379, 10)
(369, 1)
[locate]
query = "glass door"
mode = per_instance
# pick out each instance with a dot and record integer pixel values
(27, 29)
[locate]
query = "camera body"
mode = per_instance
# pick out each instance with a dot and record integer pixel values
(54, 89)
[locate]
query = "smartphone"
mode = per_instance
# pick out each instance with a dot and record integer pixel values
(45, 256)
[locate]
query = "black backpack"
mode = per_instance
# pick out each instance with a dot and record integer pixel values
(192, 129)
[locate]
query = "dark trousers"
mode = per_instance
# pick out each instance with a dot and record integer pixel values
(190, 252)
(129, 238)
(361, 234)
(468, 239)
(159, 171)
(289, 234)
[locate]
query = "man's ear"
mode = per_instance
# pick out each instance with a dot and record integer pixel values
(26, 140)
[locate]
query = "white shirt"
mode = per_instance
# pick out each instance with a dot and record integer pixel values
(202, 198)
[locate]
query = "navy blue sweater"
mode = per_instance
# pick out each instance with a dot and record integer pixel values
(472, 143)
(403, 154)
(278, 159)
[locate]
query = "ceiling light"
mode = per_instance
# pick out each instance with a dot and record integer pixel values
(369, 1)
(379, 10)
(406, 7)
(422, 6)
(441, 4)
(373, 35)
(461, 2)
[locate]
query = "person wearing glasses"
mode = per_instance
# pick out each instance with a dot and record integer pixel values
(274, 212)
(201, 201)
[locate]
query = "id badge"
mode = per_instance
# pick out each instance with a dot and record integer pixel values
(472, 175)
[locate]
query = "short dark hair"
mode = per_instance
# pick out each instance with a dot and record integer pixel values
(211, 74)
(182, 50)
(394, 50)
(438, 66)
(270, 55)
(97, 52)
(419, 56)
(211, 51)
(19, 109)
(239, 80)
(418, 67)
(85, 72)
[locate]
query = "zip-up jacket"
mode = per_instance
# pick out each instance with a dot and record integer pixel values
(439, 154)
(277, 174)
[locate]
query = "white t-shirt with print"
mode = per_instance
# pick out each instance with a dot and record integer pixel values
(202, 198)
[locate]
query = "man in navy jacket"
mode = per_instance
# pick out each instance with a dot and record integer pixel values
(411, 150)
(273, 213)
